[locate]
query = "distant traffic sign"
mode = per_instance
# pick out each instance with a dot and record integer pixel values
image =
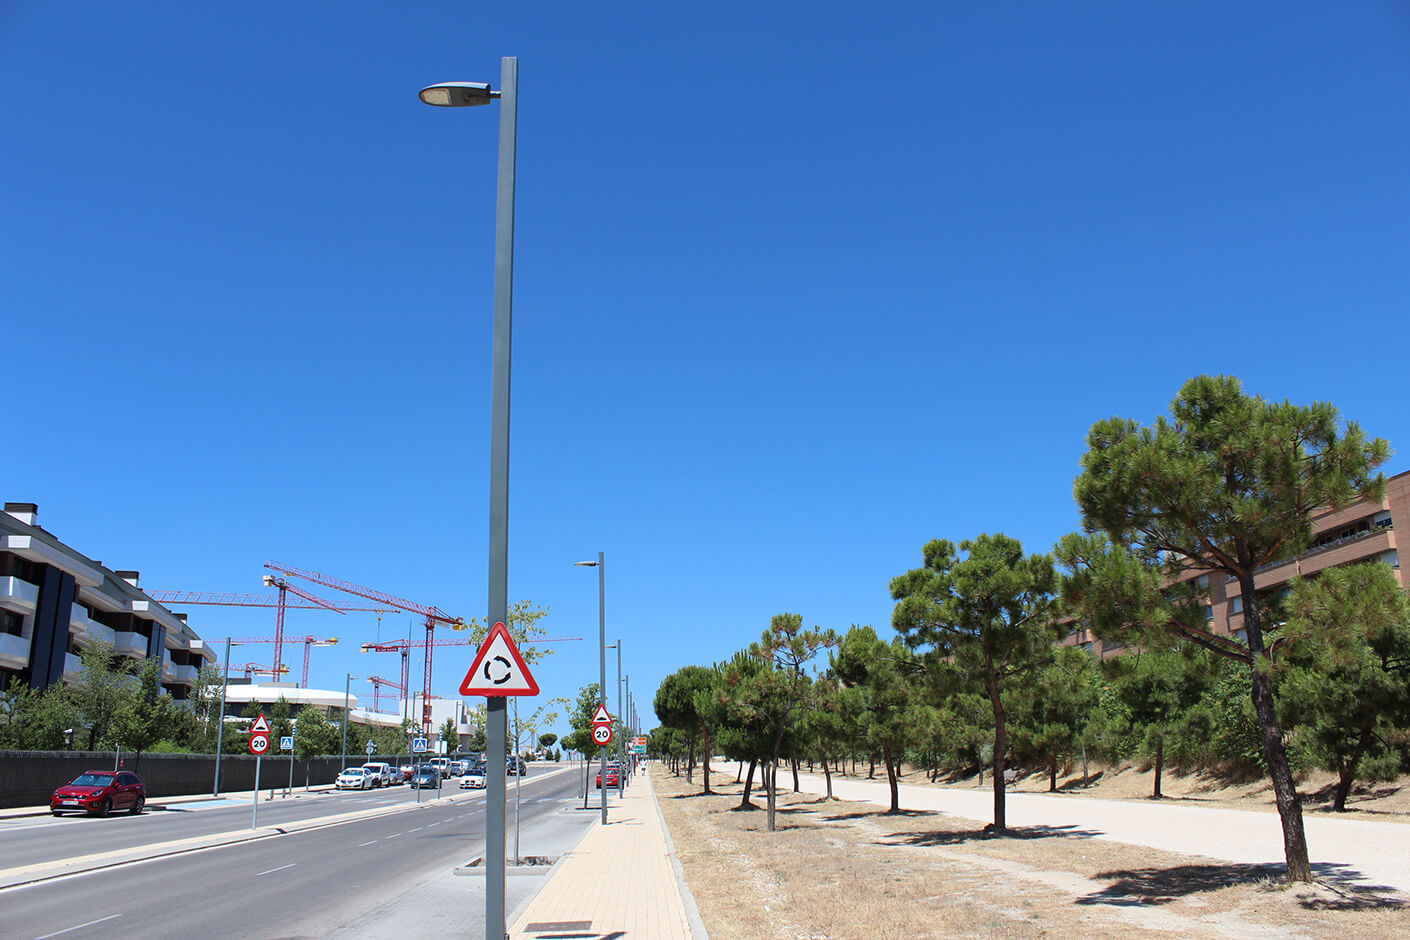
(286, 743)
(498, 669)
(259, 744)
(371, 748)
(601, 716)
(637, 749)
(418, 745)
(602, 735)
(261, 725)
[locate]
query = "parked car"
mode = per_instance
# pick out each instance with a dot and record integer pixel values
(406, 771)
(427, 776)
(474, 779)
(442, 764)
(515, 767)
(381, 772)
(459, 768)
(614, 776)
(99, 792)
(355, 778)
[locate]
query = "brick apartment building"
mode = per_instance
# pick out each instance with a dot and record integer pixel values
(1363, 531)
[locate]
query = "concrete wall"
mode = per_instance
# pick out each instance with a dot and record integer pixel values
(28, 778)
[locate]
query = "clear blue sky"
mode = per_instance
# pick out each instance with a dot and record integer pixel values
(799, 287)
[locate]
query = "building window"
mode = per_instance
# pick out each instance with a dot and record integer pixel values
(1208, 612)
(1391, 558)
(1202, 583)
(12, 623)
(1236, 606)
(1241, 636)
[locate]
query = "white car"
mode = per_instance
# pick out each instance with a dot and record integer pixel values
(355, 778)
(474, 779)
(381, 772)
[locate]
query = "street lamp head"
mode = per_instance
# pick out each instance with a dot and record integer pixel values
(458, 94)
(584, 564)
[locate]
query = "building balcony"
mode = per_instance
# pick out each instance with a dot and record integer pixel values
(72, 666)
(87, 628)
(1362, 546)
(183, 675)
(14, 651)
(129, 644)
(18, 595)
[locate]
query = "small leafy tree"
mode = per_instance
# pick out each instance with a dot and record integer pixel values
(682, 701)
(144, 716)
(1052, 710)
(1348, 685)
(984, 619)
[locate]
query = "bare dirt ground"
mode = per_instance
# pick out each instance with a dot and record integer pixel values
(841, 870)
(1384, 802)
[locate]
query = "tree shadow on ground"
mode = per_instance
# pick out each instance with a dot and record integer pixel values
(877, 814)
(1137, 887)
(961, 836)
(1076, 783)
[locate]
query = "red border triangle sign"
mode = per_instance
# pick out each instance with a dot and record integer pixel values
(498, 669)
(601, 717)
(261, 726)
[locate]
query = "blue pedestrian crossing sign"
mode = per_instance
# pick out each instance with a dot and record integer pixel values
(286, 742)
(418, 745)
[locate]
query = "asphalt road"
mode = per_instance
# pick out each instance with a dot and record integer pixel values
(35, 839)
(303, 884)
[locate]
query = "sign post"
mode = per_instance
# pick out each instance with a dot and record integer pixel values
(497, 672)
(259, 744)
(286, 743)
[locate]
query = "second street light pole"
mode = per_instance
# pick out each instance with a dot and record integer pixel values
(601, 566)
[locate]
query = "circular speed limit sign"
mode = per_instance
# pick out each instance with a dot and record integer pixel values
(602, 734)
(259, 743)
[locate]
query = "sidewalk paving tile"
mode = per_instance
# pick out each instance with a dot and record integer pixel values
(618, 882)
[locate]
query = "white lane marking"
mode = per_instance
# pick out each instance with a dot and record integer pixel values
(393, 837)
(417, 829)
(273, 870)
(373, 842)
(78, 927)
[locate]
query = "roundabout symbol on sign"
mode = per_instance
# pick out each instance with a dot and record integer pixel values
(259, 743)
(602, 734)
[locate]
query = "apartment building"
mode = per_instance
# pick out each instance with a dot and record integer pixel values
(1363, 531)
(54, 601)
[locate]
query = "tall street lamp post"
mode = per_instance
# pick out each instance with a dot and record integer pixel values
(347, 697)
(601, 566)
(470, 94)
(220, 729)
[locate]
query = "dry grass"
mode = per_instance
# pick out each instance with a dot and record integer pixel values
(841, 870)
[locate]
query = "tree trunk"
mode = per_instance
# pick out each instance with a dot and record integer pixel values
(979, 759)
(690, 768)
(891, 770)
(770, 782)
(1084, 765)
(795, 776)
(1000, 744)
(828, 774)
(1159, 764)
(739, 772)
(1346, 774)
(1279, 771)
(871, 773)
(705, 767)
(748, 786)
(1052, 775)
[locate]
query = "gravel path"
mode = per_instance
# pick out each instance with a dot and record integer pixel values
(1366, 853)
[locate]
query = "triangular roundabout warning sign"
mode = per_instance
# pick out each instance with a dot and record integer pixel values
(499, 669)
(261, 726)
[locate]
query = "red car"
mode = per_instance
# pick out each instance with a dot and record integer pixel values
(99, 792)
(614, 778)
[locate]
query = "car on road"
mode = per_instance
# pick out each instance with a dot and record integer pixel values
(381, 772)
(355, 778)
(426, 777)
(442, 764)
(614, 776)
(515, 767)
(99, 792)
(406, 771)
(474, 779)
(459, 768)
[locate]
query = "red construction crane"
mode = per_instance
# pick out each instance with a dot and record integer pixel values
(217, 599)
(377, 683)
(308, 641)
(433, 615)
(256, 669)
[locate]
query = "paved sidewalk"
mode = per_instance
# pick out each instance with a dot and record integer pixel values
(620, 882)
